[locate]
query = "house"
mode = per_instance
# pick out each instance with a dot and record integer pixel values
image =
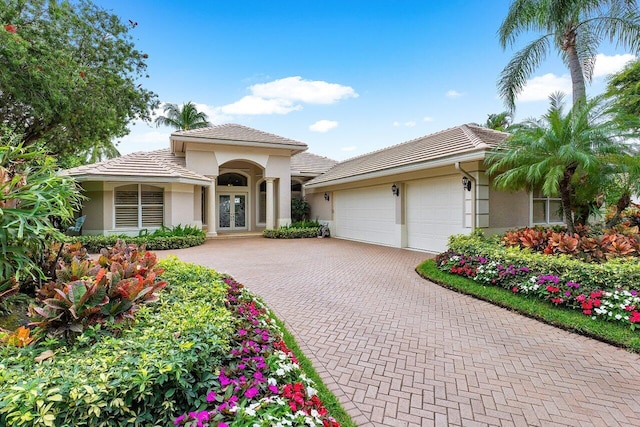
(233, 178)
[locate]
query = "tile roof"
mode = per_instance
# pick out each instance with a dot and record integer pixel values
(310, 164)
(158, 164)
(237, 133)
(457, 140)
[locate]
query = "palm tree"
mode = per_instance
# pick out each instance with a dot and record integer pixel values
(499, 121)
(185, 118)
(574, 27)
(559, 151)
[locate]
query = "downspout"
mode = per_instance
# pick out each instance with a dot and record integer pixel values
(473, 195)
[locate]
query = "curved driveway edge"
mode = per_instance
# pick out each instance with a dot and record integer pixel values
(398, 350)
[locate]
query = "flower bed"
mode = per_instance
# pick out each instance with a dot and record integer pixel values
(621, 305)
(261, 383)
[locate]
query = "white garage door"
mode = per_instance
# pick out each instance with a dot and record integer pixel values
(366, 214)
(434, 212)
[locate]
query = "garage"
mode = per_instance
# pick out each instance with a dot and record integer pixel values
(434, 212)
(366, 214)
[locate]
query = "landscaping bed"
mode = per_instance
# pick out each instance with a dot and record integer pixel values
(297, 230)
(165, 238)
(175, 344)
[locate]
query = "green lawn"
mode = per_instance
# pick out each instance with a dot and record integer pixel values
(570, 320)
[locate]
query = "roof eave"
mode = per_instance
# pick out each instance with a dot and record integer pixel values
(295, 148)
(430, 164)
(130, 178)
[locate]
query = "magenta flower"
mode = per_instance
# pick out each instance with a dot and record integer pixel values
(251, 393)
(242, 332)
(211, 396)
(273, 389)
(224, 381)
(179, 420)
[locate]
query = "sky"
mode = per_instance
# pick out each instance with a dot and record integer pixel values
(345, 77)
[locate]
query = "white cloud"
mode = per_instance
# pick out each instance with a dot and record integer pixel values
(254, 105)
(428, 119)
(410, 124)
(307, 91)
(453, 94)
(349, 148)
(143, 140)
(539, 88)
(323, 126)
(606, 65)
(396, 124)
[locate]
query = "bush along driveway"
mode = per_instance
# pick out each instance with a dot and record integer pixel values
(399, 350)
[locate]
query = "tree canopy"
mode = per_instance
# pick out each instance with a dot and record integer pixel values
(575, 28)
(70, 75)
(182, 118)
(625, 87)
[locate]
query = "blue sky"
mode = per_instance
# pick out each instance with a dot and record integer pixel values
(345, 77)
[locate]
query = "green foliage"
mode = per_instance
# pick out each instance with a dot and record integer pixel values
(300, 209)
(163, 364)
(179, 231)
(305, 224)
(574, 28)
(89, 293)
(290, 233)
(563, 153)
(30, 195)
(182, 118)
(613, 333)
(95, 243)
(55, 56)
(625, 87)
(618, 273)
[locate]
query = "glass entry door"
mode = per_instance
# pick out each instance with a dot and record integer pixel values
(232, 212)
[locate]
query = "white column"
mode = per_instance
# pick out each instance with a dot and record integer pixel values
(271, 203)
(211, 209)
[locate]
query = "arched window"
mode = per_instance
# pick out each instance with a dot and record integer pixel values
(139, 206)
(232, 179)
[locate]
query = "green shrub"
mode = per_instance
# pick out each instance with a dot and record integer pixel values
(95, 243)
(164, 363)
(178, 230)
(31, 194)
(617, 273)
(305, 224)
(290, 233)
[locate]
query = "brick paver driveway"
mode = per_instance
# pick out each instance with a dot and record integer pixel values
(399, 351)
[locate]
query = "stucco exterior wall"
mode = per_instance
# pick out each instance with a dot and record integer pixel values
(508, 209)
(321, 209)
(178, 205)
(279, 167)
(93, 208)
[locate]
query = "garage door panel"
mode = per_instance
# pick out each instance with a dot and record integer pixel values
(366, 214)
(434, 212)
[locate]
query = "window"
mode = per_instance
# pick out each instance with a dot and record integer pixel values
(262, 203)
(139, 206)
(296, 189)
(232, 180)
(546, 210)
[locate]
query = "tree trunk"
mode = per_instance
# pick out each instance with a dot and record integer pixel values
(623, 202)
(575, 67)
(565, 199)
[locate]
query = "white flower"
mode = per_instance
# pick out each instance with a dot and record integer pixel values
(249, 412)
(311, 391)
(280, 372)
(272, 381)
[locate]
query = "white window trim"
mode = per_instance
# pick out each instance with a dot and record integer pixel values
(547, 201)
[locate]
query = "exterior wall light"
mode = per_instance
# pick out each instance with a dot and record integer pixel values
(395, 190)
(326, 196)
(466, 183)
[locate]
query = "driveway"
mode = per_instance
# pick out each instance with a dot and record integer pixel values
(400, 351)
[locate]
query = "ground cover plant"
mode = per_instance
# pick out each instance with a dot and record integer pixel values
(127, 340)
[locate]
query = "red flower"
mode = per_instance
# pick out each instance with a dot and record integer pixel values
(82, 74)
(514, 289)
(553, 289)
(587, 312)
(635, 317)
(11, 28)
(557, 300)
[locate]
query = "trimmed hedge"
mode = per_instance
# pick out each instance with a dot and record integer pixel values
(163, 364)
(291, 233)
(95, 243)
(617, 273)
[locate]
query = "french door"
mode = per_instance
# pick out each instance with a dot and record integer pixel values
(232, 212)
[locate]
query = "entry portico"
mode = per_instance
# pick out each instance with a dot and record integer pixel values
(250, 174)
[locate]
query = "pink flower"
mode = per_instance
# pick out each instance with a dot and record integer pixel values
(224, 381)
(211, 396)
(242, 332)
(635, 317)
(179, 420)
(273, 389)
(251, 393)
